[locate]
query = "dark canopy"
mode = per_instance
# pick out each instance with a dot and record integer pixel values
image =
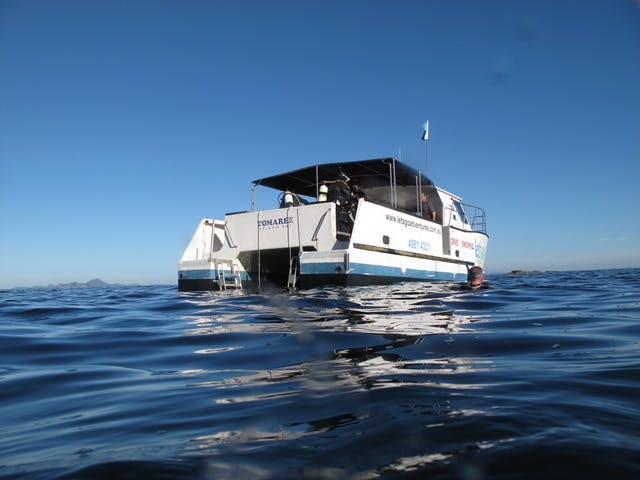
(367, 173)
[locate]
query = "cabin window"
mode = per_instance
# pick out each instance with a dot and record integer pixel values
(461, 215)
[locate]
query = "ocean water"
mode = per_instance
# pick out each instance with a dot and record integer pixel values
(537, 376)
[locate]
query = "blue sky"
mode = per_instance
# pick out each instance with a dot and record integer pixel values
(123, 123)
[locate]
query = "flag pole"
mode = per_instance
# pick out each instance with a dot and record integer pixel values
(426, 156)
(425, 137)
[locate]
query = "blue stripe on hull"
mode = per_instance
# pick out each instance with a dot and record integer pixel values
(208, 274)
(380, 271)
(359, 270)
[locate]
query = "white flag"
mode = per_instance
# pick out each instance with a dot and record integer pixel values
(425, 134)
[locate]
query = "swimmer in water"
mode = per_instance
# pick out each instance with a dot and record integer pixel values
(475, 277)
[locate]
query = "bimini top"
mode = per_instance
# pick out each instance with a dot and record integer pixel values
(372, 173)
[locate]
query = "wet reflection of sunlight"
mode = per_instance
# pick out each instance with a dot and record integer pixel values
(402, 315)
(414, 463)
(346, 343)
(385, 372)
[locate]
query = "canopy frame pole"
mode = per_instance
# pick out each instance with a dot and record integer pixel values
(417, 197)
(390, 184)
(395, 191)
(420, 192)
(253, 196)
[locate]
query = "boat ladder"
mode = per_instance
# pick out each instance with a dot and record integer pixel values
(225, 279)
(293, 275)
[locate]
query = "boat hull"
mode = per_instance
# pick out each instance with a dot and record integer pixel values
(197, 284)
(301, 247)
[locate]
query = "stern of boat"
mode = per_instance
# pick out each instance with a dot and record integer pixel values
(208, 262)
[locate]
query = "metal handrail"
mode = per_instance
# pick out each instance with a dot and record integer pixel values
(478, 222)
(479, 217)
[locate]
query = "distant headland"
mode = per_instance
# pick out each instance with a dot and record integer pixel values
(93, 283)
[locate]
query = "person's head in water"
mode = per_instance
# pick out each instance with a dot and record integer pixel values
(475, 277)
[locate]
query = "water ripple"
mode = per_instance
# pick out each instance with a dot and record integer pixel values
(534, 377)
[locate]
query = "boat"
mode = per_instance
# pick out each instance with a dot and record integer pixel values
(349, 223)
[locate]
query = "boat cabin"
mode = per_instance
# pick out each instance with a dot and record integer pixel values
(385, 181)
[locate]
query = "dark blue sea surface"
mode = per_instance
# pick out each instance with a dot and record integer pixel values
(537, 376)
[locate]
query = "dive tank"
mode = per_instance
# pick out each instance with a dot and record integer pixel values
(322, 196)
(288, 199)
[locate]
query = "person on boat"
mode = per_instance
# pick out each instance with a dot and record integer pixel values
(340, 193)
(339, 190)
(356, 191)
(428, 210)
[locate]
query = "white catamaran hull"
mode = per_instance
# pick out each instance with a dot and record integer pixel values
(301, 246)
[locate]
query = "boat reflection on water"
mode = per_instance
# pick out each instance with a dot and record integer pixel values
(287, 369)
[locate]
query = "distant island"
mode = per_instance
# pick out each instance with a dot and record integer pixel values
(523, 272)
(94, 283)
